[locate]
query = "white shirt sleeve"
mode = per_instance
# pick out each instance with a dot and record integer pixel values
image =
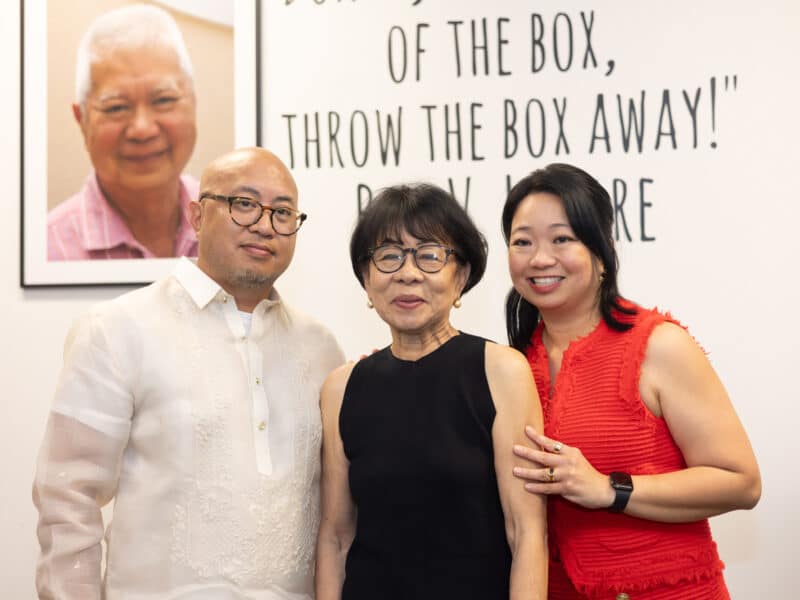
(78, 465)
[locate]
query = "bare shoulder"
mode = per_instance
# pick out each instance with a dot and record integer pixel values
(336, 381)
(513, 390)
(333, 388)
(508, 372)
(671, 346)
(504, 362)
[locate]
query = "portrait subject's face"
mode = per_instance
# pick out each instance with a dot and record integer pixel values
(138, 121)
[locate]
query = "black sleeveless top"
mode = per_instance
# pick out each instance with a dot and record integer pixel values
(418, 435)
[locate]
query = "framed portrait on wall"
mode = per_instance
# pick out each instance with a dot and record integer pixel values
(107, 133)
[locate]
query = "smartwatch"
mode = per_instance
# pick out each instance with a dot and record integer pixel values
(623, 487)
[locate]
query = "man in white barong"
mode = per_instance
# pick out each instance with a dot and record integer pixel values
(193, 404)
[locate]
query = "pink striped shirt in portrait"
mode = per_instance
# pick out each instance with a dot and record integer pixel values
(86, 227)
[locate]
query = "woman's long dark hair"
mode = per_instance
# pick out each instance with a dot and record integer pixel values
(591, 217)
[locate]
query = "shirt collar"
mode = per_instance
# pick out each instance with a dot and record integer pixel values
(105, 228)
(202, 289)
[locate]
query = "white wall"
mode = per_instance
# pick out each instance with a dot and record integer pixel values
(732, 277)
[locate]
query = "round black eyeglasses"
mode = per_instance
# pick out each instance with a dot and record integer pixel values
(429, 258)
(246, 212)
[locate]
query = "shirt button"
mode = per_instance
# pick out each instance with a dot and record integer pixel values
(224, 299)
(258, 381)
(262, 426)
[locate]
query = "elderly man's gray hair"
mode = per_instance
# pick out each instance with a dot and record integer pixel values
(135, 26)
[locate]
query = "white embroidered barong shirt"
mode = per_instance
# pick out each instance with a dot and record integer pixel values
(206, 436)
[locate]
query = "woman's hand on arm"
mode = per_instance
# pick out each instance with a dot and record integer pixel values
(517, 403)
(338, 519)
(561, 470)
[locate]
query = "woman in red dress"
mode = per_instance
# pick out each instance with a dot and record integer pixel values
(641, 444)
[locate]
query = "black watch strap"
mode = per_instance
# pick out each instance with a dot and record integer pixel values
(623, 488)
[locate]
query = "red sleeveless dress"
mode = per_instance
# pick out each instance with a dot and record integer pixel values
(596, 407)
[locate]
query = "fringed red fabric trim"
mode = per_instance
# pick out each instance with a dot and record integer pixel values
(629, 578)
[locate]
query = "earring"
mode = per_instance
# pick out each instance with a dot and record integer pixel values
(602, 276)
(369, 303)
(457, 303)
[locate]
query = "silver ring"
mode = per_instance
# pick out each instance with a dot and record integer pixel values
(557, 447)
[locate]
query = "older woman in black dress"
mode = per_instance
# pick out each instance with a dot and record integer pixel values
(418, 496)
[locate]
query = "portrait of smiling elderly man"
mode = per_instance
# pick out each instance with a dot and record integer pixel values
(135, 106)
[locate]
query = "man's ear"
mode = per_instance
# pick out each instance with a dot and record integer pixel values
(195, 215)
(77, 114)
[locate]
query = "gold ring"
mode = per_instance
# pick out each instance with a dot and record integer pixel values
(551, 474)
(557, 447)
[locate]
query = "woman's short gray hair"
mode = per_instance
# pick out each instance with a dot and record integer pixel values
(135, 26)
